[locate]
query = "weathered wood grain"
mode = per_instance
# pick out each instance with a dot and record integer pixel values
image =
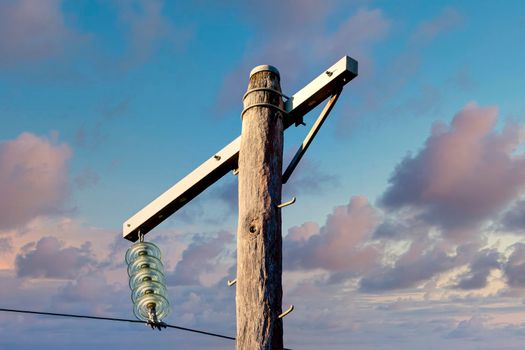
(259, 240)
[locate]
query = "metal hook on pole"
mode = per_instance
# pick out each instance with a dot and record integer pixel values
(285, 204)
(232, 282)
(290, 309)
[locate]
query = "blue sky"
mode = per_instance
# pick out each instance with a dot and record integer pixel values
(408, 229)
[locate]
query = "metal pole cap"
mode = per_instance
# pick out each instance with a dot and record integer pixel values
(265, 67)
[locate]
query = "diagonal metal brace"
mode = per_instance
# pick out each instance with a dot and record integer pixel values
(310, 137)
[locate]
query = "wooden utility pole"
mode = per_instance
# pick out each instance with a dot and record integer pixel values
(259, 241)
(258, 156)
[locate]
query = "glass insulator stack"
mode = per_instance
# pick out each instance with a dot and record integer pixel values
(147, 282)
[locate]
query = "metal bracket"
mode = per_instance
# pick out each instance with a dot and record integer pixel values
(290, 309)
(311, 134)
(265, 89)
(268, 105)
(158, 325)
(153, 321)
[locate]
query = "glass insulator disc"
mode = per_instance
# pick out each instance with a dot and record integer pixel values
(141, 249)
(145, 275)
(145, 262)
(141, 306)
(147, 288)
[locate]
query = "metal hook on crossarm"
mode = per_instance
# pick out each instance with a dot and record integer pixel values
(310, 136)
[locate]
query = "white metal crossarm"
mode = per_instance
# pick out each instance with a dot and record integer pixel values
(327, 84)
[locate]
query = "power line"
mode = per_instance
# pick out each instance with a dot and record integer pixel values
(114, 319)
(118, 320)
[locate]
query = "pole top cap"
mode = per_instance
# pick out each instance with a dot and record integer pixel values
(265, 67)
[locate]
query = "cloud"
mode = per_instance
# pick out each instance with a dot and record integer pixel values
(515, 265)
(479, 270)
(465, 174)
(33, 179)
(32, 30)
(94, 294)
(6, 245)
(419, 263)
(471, 328)
(448, 19)
(339, 245)
(202, 255)
(514, 219)
(435, 214)
(48, 258)
(302, 232)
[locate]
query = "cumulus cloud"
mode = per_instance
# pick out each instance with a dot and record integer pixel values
(435, 216)
(302, 232)
(465, 174)
(202, 255)
(339, 245)
(48, 258)
(440, 199)
(93, 293)
(513, 219)
(418, 264)
(33, 179)
(515, 266)
(479, 270)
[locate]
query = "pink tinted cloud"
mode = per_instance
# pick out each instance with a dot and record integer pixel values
(48, 258)
(201, 256)
(6, 245)
(303, 232)
(465, 174)
(31, 30)
(33, 179)
(340, 245)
